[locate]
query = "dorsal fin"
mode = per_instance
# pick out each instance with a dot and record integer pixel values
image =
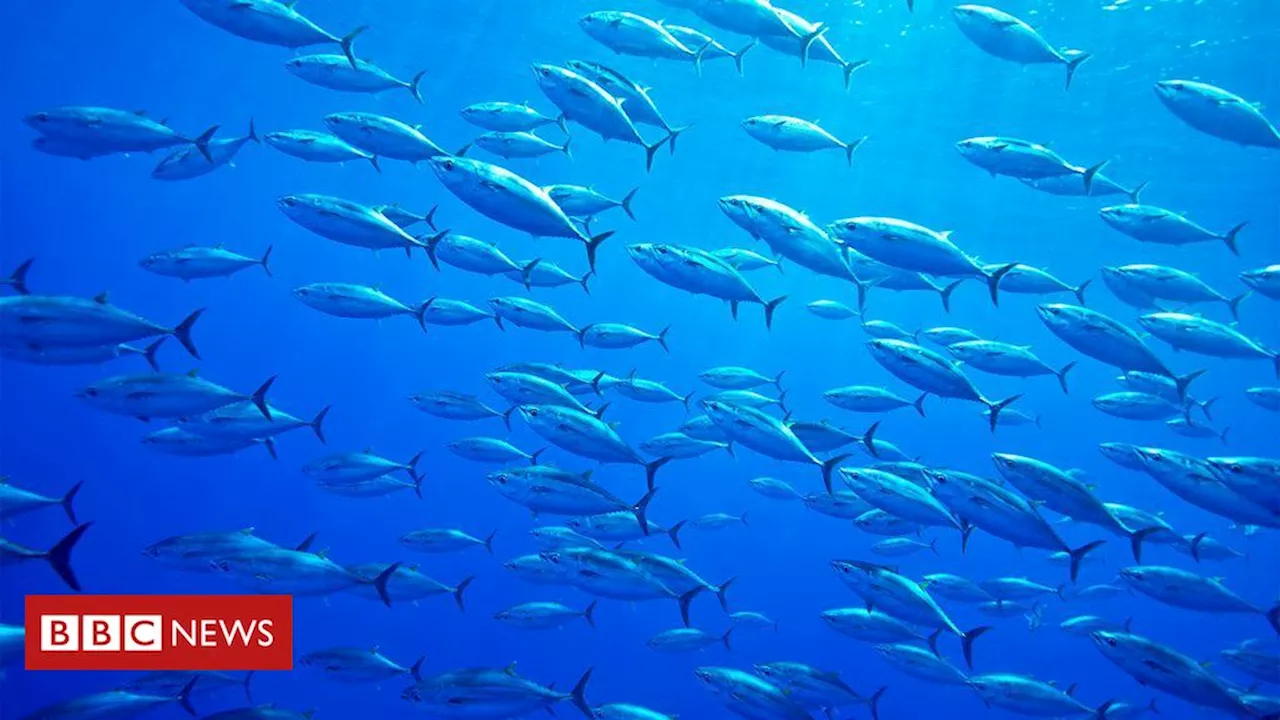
(101, 298)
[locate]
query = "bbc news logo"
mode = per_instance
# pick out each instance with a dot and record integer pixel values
(159, 632)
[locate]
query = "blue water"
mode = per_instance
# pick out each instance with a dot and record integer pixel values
(89, 223)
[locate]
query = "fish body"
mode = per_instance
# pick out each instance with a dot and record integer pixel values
(192, 162)
(931, 373)
(384, 137)
(1217, 112)
(1163, 668)
(337, 72)
(353, 301)
(193, 262)
(315, 146)
(46, 321)
(627, 33)
(346, 222)
(506, 117)
(1151, 224)
(1093, 334)
(1000, 34)
(101, 131)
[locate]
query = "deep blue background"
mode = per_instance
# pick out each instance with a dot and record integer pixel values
(89, 223)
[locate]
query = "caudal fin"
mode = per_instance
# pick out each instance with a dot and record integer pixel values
(462, 588)
(380, 583)
(1074, 64)
(945, 293)
(685, 600)
(993, 282)
(579, 693)
(828, 467)
(18, 278)
(641, 509)
(769, 308)
(59, 556)
(317, 424)
(414, 86)
(590, 613)
(651, 470)
(259, 397)
(674, 533)
(651, 150)
(849, 67)
(184, 696)
(1079, 291)
(183, 333)
(966, 643)
(737, 57)
(626, 202)
(807, 41)
(722, 593)
(869, 440)
(593, 244)
(996, 407)
(348, 42)
(1077, 556)
(1062, 376)
(851, 147)
(1181, 382)
(1136, 193)
(1136, 538)
(1230, 237)
(1090, 174)
(68, 499)
(673, 133)
(202, 144)
(488, 542)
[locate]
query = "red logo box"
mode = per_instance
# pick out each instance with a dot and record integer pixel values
(159, 632)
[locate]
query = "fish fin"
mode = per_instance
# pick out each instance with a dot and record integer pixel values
(579, 693)
(1090, 174)
(348, 47)
(590, 613)
(1072, 65)
(848, 69)
(996, 407)
(967, 640)
(1062, 375)
(722, 593)
(674, 533)
(414, 86)
(259, 397)
(1077, 555)
(66, 502)
(685, 600)
(59, 556)
(183, 332)
(769, 309)
(462, 588)
(18, 278)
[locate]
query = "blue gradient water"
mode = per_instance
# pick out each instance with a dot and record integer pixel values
(89, 223)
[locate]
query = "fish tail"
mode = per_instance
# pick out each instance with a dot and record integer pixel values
(850, 147)
(828, 467)
(462, 588)
(248, 687)
(270, 445)
(1204, 406)
(967, 640)
(18, 278)
(184, 697)
(1223, 435)
(993, 282)
(919, 404)
(687, 598)
(66, 502)
(253, 132)
(807, 41)
(933, 642)
(945, 293)
(769, 309)
(869, 438)
(416, 669)
(462, 151)
(380, 582)
(674, 533)
(589, 614)
(561, 123)
(1137, 191)
(593, 244)
(1230, 237)
(527, 270)
(183, 333)
(430, 245)
(150, 351)
(1181, 382)
(1136, 538)
(1234, 304)
(586, 276)
(1074, 64)
(875, 702)
(673, 133)
(641, 510)
(579, 693)
(266, 258)
(59, 556)
(202, 144)
(1195, 546)
(697, 56)
(1079, 291)
(651, 150)
(1077, 556)
(626, 202)
(996, 407)
(651, 469)
(737, 57)
(848, 69)
(662, 340)
(506, 416)
(259, 397)
(725, 639)
(430, 217)
(1062, 376)
(722, 593)
(1103, 709)
(1090, 174)
(777, 380)
(348, 42)
(488, 542)
(966, 531)
(414, 86)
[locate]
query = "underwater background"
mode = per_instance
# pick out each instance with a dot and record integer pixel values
(89, 223)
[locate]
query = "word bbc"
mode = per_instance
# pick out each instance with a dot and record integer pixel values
(159, 632)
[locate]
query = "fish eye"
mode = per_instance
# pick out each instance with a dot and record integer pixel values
(502, 478)
(1236, 468)
(91, 392)
(534, 412)
(1111, 642)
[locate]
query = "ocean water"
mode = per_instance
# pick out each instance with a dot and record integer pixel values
(89, 223)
